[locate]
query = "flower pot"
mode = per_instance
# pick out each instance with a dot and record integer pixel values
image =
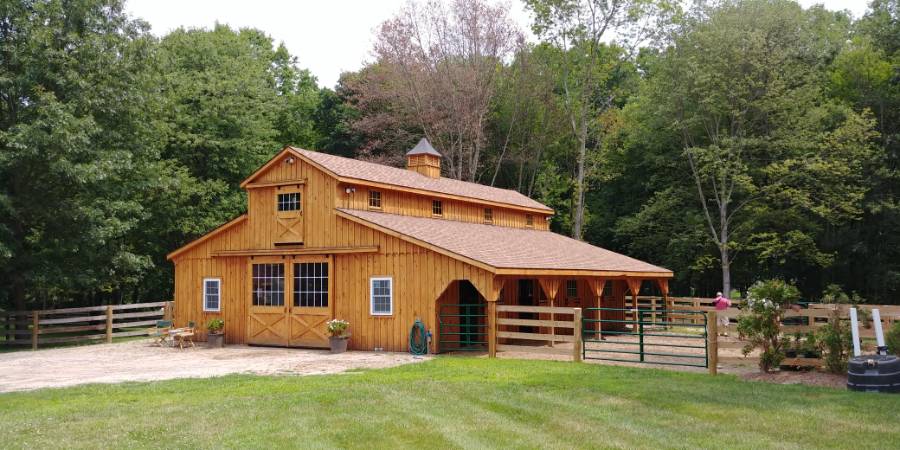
(338, 344)
(215, 340)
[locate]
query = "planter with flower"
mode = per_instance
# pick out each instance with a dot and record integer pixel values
(339, 331)
(215, 336)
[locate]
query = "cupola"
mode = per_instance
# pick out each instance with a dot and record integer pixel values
(423, 158)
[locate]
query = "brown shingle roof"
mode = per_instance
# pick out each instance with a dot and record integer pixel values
(366, 171)
(507, 248)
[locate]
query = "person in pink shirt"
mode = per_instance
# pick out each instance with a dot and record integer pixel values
(722, 303)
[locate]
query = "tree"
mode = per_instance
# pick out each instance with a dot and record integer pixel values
(578, 29)
(76, 148)
(743, 86)
(436, 69)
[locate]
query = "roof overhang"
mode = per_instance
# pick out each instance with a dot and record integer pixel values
(206, 237)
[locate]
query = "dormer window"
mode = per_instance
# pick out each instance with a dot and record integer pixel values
(375, 199)
(488, 215)
(529, 220)
(437, 208)
(289, 201)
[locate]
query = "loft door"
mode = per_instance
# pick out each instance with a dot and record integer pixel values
(268, 322)
(311, 302)
(289, 216)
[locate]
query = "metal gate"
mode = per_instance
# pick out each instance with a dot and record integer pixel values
(649, 336)
(462, 327)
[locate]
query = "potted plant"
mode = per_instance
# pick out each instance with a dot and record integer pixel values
(216, 336)
(338, 329)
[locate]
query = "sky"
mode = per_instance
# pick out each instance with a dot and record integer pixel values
(328, 37)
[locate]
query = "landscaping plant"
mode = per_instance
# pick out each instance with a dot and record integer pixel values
(215, 326)
(834, 340)
(338, 328)
(761, 325)
(892, 339)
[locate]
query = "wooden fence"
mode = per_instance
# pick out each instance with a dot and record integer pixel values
(546, 325)
(90, 323)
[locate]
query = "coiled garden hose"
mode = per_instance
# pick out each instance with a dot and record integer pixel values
(418, 339)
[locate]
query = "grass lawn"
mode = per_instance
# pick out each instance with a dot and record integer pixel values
(453, 402)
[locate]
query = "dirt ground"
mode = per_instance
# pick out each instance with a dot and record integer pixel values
(141, 361)
(731, 360)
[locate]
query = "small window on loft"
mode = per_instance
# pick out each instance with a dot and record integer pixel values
(437, 208)
(488, 215)
(572, 288)
(374, 199)
(289, 201)
(529, 220)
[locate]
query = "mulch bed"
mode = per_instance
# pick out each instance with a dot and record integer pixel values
(811, 377)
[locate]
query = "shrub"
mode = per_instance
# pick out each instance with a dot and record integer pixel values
(215, 325)
(892, 339)
(761, 326)
(835, 342)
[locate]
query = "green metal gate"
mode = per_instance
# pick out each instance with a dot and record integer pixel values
(462, 327)
(648, 337)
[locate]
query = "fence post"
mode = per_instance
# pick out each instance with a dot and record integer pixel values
(577, 334)
(109, 323)
(492, 329)
(35, 319)
(641, 334)
(712, 341)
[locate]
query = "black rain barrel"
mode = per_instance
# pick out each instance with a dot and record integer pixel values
(874, 373)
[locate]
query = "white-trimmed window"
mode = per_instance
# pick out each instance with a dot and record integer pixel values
(212, 294)
(381, 296)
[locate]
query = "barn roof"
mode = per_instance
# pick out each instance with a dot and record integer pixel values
(506, 248)
(352, 169)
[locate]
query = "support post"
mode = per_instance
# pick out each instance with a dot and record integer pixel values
(712, 341)
(109, 323)
(577, 347)
(35, 324)
(167, 311)
(553, 322)
(492, 329)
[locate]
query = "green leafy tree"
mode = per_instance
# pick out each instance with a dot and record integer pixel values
(76, 145)
(771, 161)
(586, 69)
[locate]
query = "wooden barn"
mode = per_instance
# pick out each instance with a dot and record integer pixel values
(330, 237)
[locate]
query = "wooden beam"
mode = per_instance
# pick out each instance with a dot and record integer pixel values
(276, 183)
(576, 333)
(295, 251)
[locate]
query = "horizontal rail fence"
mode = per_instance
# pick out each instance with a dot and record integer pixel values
(648, 338)
(537, 329)
(90, 323)
(462, 327)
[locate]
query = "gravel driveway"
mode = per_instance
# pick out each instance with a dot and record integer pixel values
(141, 361)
